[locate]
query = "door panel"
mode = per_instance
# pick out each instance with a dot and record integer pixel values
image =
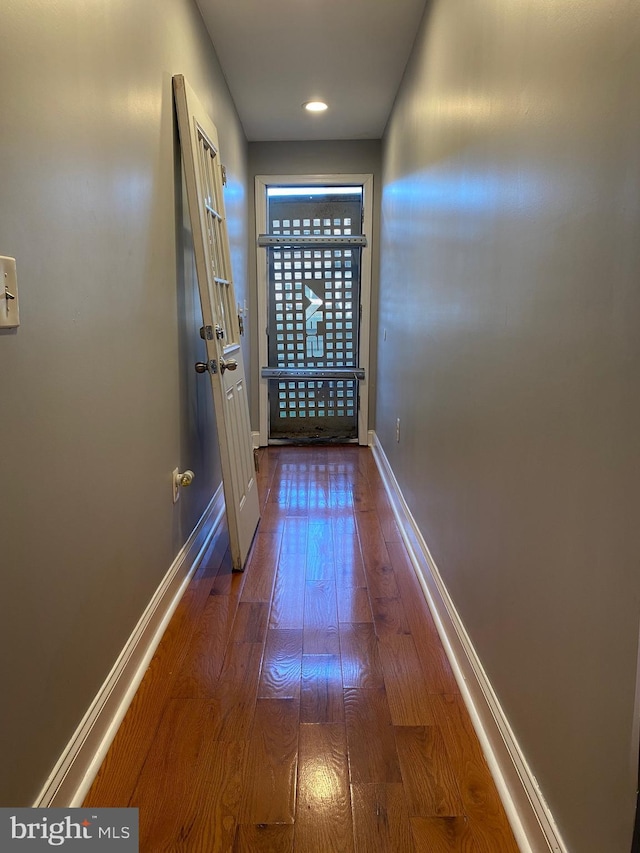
(321, 409)
(203, 174)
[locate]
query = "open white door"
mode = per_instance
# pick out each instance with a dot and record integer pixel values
(203, 174)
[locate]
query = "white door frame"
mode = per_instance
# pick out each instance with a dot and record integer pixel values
(262, 182)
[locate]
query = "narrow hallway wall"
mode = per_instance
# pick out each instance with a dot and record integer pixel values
(509, 296)
(99, 398)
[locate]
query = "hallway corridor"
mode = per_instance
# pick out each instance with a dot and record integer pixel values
(306, 704)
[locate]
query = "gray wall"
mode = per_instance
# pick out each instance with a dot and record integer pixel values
(510, 273)
(359, 156)
(99, 398)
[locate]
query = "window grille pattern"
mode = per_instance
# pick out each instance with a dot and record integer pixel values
(314, 304)
(313, 308)
(317, 226)
(316, 399)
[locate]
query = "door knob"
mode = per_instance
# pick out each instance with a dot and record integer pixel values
(210, 366)
(232, 364)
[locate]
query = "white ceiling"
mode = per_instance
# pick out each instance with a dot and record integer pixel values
(277, 54)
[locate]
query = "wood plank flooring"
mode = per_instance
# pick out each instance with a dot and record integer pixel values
(305, 704)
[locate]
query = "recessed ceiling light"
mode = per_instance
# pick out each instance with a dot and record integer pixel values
(315, 106)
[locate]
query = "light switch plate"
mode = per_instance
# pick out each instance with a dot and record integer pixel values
(9, 309)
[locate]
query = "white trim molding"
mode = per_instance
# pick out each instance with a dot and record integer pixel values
(80, 761)
(530, 818)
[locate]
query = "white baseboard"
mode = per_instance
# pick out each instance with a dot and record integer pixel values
(78, 765)
(529, 816)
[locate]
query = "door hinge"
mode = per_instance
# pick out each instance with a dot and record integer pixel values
(206, 333)
(223, 169)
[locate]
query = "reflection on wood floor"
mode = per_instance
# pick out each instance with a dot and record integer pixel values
(307, 703)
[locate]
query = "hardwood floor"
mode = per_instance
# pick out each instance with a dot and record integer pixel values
(306, 704)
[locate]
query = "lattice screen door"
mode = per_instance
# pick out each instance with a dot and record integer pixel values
(314, 311)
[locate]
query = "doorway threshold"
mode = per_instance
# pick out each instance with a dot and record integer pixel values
(315, 440)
